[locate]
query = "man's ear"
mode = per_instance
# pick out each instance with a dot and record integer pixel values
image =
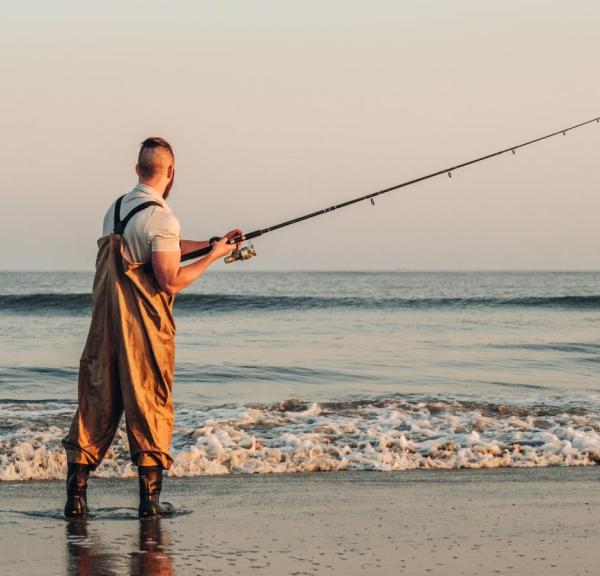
(137, 169)
(170, 171)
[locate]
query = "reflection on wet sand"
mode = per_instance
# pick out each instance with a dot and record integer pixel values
(152, 557)
(88, 556)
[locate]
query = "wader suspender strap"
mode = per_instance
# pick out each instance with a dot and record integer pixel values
(120, 224)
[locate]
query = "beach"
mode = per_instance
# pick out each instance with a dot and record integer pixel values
(351, 423)
(506, 521)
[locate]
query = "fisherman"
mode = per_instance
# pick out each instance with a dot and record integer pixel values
(128, 359)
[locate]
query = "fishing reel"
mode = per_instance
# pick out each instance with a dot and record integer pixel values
(242, 253)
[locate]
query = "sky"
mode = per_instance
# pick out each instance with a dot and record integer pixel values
(278, 108)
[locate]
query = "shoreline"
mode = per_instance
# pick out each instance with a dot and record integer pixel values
(519, 473)
(453, 522)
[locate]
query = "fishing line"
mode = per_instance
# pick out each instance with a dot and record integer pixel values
(245, 252)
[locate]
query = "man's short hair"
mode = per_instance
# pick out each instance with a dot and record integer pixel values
(147, 159)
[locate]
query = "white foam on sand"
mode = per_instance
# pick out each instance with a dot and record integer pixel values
(376, 434)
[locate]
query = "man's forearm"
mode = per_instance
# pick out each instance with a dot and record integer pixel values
(172, 277)
(188, 246)
(187, 274)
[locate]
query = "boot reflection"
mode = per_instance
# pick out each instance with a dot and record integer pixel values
(152, 559)
(86, 556)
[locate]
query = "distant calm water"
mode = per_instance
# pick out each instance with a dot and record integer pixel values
(329, 371)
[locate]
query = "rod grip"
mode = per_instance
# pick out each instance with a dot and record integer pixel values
(196, 254)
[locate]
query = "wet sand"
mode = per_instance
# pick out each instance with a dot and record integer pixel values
(506, 521)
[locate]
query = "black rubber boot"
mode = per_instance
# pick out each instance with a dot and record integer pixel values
(77, 479)
(150, 487)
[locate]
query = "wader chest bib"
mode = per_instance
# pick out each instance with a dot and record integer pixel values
(127, 363)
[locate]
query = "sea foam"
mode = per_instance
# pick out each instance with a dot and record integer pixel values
(384, 434)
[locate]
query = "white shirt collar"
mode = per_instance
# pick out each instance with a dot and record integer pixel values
(149, 191)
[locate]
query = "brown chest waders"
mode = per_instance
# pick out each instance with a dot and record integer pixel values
(127, 363)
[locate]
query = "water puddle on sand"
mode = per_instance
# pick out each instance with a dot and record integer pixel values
(110, 513)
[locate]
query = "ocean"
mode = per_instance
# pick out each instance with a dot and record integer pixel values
(328, 371)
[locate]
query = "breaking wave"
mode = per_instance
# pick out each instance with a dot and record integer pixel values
(383, 434)
(80, 303)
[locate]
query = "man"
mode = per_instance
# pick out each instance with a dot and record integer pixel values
(128, 360)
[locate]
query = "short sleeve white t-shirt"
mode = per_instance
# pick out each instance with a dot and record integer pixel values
(154, 229)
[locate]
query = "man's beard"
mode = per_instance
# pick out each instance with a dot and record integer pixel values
(169, 186)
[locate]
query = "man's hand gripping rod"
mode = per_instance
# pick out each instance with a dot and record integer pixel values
(241, 253)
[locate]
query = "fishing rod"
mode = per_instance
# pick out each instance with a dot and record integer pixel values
(246, 252)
